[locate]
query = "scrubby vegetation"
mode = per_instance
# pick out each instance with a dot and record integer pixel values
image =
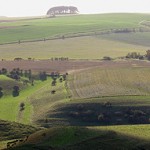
(13, 130)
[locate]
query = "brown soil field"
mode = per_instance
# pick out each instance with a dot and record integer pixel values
(69, 66)
(7, 27)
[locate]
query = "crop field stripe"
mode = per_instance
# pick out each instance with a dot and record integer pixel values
(110, 82)
(76, 48)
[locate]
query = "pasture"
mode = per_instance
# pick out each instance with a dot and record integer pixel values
(43, 100)
(138, 39)
(49, 27)
(74, 44)
(7, 84)
(74, 48)
(9, 105)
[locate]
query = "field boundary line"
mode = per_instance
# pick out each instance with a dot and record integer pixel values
(113, 96)
(79, 34)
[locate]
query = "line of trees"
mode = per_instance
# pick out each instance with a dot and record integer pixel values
(62, 10)
(135, 55)
(59, 58)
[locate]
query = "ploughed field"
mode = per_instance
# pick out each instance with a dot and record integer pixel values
(110, 81)
(71, 65)
(49, 65)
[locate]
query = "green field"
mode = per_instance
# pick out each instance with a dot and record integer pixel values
(138, 39)
(76, 48)
(7, 84)
(81, 99)
(45, 28)
(9, 105)
(93, 47)
(43, 101)
(38, 100)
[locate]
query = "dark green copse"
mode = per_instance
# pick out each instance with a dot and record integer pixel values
(62, 10)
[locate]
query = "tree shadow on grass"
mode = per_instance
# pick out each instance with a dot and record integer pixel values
(93, 114)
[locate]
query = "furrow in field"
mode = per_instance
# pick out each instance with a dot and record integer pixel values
(110, 82)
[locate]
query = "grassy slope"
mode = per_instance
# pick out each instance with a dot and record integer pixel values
(47, 27)
(12, 130)
(38, 101)
(86, 138)
(9, 106)
(141, 39)
(41, 28)
(92, 107)
(113, 45)
(7, 84)
(43, 101)
(84, 48)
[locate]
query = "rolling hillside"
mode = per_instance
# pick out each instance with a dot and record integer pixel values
(12, 130)
(109, 101)
(74, 48)
(45, 28)
(72, 138)
(77, 37)
(7, 84)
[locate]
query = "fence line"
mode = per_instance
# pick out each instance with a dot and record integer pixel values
(81, 34)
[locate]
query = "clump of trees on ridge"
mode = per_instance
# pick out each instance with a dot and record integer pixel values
(62, 10)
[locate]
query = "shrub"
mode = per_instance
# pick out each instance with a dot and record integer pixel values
(107, 58)
(15, 92)
(22, 105)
